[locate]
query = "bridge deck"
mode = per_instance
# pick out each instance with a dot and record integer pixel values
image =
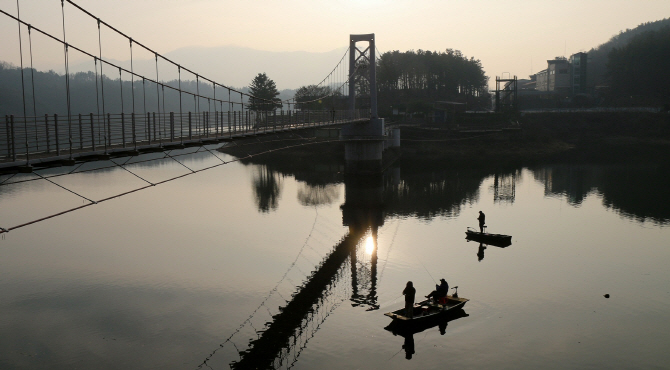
(23, 146)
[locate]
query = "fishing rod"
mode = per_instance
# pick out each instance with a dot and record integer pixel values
(424, 267)
(387, 303)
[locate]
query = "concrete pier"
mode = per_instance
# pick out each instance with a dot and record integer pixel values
(364, 146)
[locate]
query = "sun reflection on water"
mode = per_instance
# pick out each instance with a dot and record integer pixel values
(369, 245)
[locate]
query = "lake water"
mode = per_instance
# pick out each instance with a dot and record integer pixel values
(201, 271)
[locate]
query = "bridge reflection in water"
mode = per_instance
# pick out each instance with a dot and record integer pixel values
(349, 273)
(282, 340)
(354, 258)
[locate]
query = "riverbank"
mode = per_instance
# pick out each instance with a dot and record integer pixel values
(548, 137)
(574, 137)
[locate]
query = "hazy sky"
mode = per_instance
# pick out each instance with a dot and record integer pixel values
(515, 36)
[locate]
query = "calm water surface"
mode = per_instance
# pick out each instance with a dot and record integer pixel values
(200, 272)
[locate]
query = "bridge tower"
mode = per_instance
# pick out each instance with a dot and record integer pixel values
(364, 140)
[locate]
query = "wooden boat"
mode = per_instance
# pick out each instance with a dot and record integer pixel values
(427, 310)
(497, 240)
(399, 327)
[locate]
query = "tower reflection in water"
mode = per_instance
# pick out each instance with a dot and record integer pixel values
(363, 210)
(369, 197)
(280, 341)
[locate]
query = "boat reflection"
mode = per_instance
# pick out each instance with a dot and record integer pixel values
(490, 239)
(480, 252)
(407, 331)
(482, 246)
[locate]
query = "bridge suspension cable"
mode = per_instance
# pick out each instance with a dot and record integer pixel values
(111, 131)
(67, 47)
(329, 82)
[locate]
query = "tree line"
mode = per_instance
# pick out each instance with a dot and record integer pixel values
(411, 81)
(414, 80)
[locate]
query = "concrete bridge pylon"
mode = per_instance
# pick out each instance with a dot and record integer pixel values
(364, 141)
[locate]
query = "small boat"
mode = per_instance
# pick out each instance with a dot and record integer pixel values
(497, 240)
(399, 327)
(428, 309)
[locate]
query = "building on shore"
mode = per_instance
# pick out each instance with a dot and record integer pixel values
(563, 75)
(578, 63)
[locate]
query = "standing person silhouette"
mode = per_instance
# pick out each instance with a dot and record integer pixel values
(482, 221)
(409, 293)
(408, 346)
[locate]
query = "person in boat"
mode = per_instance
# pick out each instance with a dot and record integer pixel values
(440, 290)
(408, 346)
(482, 221)
(480, 252)
(409, 293)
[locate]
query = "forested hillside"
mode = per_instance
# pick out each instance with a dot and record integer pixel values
(598, 56)
(638, 72)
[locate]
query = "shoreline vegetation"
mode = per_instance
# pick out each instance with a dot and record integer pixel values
(551, 137)
(572, 137)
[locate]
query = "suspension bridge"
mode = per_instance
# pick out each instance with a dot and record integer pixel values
(346, 273)
(136, 111)
(151, 114)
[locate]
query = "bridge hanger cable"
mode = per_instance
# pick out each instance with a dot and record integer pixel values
(8, 178)
(334, 71)
(102, 82)
(64, 188)
(174, 159)
(212, 153)
(23, 88)
(68, 46)
(148, 186)
(332, 93)
(272, 291)
(89, 170)
(74, 171)
(313, 333)
(131, 72)
(75, 168)
(151, 50)
(32, 82)
(133, 173)
(67, 80)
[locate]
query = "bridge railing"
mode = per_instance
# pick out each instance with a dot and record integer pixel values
(28, 138)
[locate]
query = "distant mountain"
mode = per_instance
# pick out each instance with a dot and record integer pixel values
(597, 63)
(236, 66)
